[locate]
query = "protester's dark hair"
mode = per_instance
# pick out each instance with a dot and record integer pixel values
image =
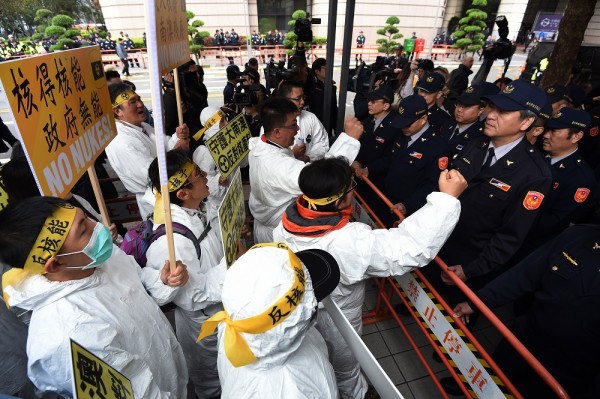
(18, 180)
(286, 88)
(324, 178)
(112, 74)
(318, 64)
(115, 89)
(253, 62)
(130, 84)
(20, 225)
(275, 112)
(175, 160)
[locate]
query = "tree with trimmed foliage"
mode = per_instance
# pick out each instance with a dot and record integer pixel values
(388, 43)
(62, 27)
(470, 28)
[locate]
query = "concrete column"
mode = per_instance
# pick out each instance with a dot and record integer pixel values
(453, 8)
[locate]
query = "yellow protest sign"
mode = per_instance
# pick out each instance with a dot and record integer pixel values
(171, 28)
(94, 378)
(62, 111)
(3, 194)
(232, 215)
(230, 145)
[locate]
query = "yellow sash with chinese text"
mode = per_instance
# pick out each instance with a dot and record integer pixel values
(236, 348)
(47, 244)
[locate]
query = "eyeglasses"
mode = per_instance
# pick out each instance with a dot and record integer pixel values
(190, 183)
(352, 187)
(293, 126)
(297, 99)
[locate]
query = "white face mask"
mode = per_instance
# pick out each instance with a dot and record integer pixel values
(99, 248)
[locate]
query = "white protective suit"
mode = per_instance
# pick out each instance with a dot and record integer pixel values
(274, 180)
(362, 253)
(199, 298)
(110, 314)
(291, 357)
(130, 154)
(312, 134)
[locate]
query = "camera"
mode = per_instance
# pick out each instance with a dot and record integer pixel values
(303, 28)
(500, 49)
(275, 72)
(245, 94)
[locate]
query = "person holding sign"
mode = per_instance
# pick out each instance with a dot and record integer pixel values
(201, 296)
(274, 170)
(132, 151)
(66, 269)
(320, 218)
(268, 344)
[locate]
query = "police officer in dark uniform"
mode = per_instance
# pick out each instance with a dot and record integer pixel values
(572, 178)
(255, 38)
(466, 124)
(561, 325)
(508, 180)
(128, 43)
(379, 136)
(360, 40)
(412, 168)
(110, 43)
(234, 39)
(590, 144)
(431, 87)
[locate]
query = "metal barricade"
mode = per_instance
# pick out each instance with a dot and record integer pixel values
(447, 335)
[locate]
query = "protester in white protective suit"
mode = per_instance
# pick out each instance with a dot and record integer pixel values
(311, 142)
(200, 298)
(81, 287)
(268, 346)
(320, 219)
(273, 169)
(202, 157)
(134, 148)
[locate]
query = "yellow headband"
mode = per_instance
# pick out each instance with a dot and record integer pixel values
(236, 348)
(312, 203)
(48, 243)
(177, 180)
(209, 123)
(123, 98)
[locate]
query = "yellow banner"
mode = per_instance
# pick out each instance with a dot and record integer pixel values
(171, 27)
(231, 217)
(230, 145)
(94, 378)
(3, 194)
(62, 110)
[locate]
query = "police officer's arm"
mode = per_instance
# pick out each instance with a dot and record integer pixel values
(508, 238)
(512, 284)
(563, 205)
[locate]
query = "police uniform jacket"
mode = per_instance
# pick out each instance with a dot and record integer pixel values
(499, 206)
(460, 140)
(561, 326)
(414, 171)
(377, 143)
(437, 117)
(572, 181)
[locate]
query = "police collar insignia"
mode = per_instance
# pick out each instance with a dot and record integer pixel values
(509, 162)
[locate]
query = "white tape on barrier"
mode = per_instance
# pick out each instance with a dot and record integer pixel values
(477, 376)
(378, 378)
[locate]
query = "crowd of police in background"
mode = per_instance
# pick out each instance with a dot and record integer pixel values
(439, 99)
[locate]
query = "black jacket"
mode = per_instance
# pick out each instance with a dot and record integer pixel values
(498, 207)
(459, 79)
(378, 143)
(459, 141)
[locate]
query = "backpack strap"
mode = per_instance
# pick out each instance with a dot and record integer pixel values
(184, 231)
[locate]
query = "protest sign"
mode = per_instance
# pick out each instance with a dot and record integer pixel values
(94, 378)
(231, 217)
(230, 145)
(62, 112)
(3, 194)
(172, 38)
